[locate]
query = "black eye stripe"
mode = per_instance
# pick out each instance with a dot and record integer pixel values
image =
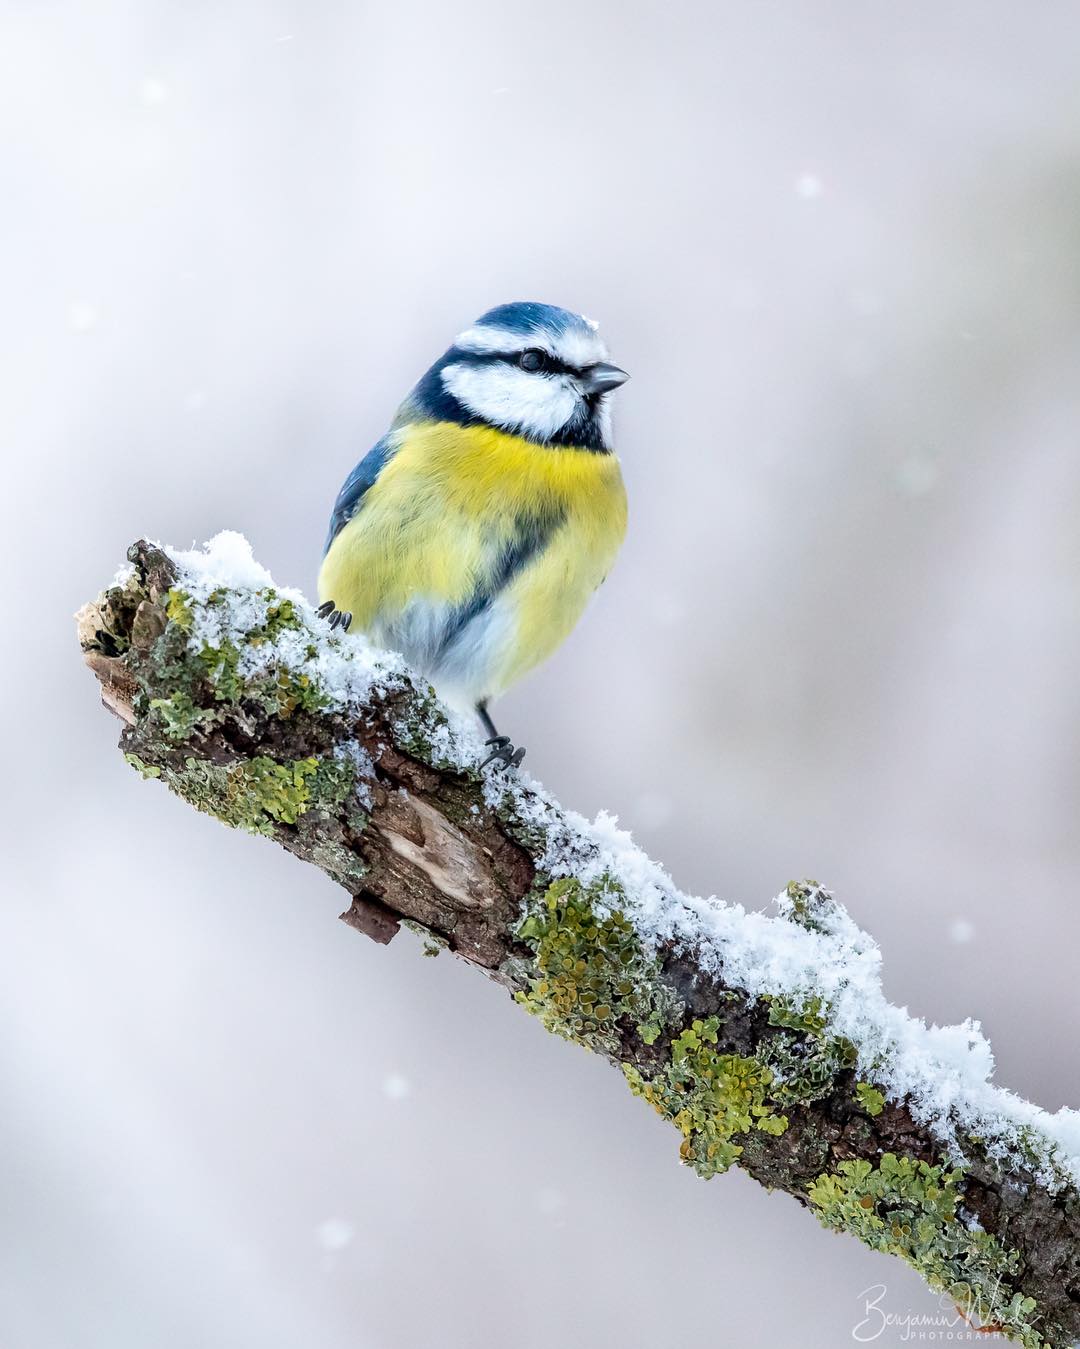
(551, 365)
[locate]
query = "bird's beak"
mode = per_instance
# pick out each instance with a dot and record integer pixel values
(601, 378)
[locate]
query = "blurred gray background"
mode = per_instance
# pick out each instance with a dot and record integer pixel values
(838, 246)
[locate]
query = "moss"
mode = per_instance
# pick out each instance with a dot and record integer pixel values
(710, 1097)
(591, 980)
(908, 1208)
(871, 1100)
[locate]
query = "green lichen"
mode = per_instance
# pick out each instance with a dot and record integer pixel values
(908, 1208)
(805, 1067)
(281, 616)
(292, 692)
(147, 770)
(264, 794)
(710, 1097)
(281, 690)
(178, 715)
(260, 794)
(1043, 1156)
(434, 943)
(811, 906)
(868, 1096)
(591, 978)
(178, 609)
(425, 732)
(592, 982)
(281, 791)
(221, 667)
(807, 1016)
(803, 1058)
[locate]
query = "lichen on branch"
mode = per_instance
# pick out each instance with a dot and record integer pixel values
(765, 1040)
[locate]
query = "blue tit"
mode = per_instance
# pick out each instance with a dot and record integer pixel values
(472, 535)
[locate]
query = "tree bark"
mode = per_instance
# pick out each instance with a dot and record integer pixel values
(378, 794)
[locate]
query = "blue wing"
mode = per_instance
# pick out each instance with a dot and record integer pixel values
(362, 477)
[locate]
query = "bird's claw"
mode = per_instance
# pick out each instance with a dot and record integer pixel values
(504, 753)
(336, 617)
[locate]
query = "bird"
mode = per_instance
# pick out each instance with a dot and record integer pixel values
(471, 537)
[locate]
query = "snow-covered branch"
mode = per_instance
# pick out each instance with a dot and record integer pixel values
(764, 1038)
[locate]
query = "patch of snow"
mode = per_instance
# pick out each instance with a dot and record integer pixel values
(226, 560)
(1067, 1130)
(345, 666)
(942, 1073)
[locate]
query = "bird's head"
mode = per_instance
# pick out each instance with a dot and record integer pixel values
(533, 370)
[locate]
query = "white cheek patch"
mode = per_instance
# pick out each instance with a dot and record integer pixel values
(507, 396)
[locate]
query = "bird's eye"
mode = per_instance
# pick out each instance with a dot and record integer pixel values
(532, 359)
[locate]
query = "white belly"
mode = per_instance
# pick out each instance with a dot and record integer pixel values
(462, 655)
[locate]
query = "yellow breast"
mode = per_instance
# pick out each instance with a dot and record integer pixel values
(444, 514)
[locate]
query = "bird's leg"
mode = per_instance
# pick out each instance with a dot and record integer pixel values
(335, 616)
(503, 751)
(486, 722)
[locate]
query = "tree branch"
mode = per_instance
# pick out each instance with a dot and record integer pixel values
(766, 1041)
